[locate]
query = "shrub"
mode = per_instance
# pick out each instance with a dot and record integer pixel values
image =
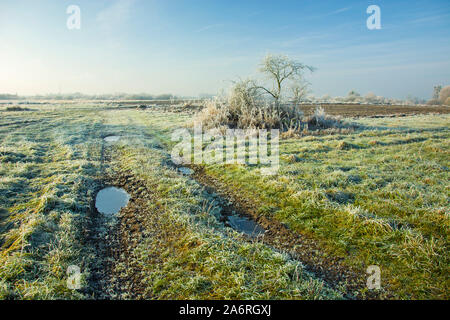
(447, 101)
(371, 98)
(17, 108)
(245, 109)
(353, 96)
(320, 120)
(444, 94)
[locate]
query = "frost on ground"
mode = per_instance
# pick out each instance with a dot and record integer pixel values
(341, 201)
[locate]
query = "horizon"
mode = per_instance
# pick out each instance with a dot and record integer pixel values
(189, 49)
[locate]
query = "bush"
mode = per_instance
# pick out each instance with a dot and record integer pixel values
(17, 108)
(245, 109)
(444, 95)
(320, 120)
(447, 101)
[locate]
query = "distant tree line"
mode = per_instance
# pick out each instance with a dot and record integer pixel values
(299, 91)
(5, 96)
(441, 96)
(80, 96)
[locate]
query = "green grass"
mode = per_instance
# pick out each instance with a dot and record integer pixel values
(46, 170)
(50, 168)
(378, 196)
(192, 256)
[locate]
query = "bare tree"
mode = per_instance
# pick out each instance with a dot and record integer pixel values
(281, 69)
(299, 89)
(436, 91)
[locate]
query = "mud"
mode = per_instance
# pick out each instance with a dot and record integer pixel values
(236, 211)
(127, 234)
(300, 247)
(375, 111)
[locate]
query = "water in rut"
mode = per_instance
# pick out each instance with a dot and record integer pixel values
(110, 200)
(112, 138)
(186, 171)
(246, 226)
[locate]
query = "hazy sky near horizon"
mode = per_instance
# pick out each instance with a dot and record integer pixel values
(198, 46)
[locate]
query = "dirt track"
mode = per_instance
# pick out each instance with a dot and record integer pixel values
(127, 234)
(354, 110)
(299, 247)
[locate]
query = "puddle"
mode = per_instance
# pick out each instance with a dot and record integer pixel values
(186, 171)
(245, 225)
(112, 138)
(228, 213)
(110, 200)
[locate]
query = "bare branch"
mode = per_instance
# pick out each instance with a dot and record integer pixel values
(280, 69)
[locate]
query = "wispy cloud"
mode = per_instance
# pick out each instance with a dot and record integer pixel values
(340, 10)
(332, 13)
(431, 18)
(208, 27)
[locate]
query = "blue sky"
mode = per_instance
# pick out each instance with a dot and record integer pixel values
(198, 46)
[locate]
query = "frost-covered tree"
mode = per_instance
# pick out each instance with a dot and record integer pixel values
(353, 96)
(284, 72)
(326, 98)
(436, 91)
(371, 98)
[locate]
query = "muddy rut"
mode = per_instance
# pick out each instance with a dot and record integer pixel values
(299, 247)
(100, 266)
(114, 239)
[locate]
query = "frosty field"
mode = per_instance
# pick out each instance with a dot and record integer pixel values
(343, 201)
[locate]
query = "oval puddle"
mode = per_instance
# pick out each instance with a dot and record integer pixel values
(186, 171)
(245, 225)
(110, 200)
(112, 138)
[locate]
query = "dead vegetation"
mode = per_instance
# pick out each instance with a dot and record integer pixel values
(268, 105)
(244, 108)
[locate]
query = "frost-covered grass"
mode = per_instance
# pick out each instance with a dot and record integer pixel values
(48, 163)
(377, 196)
(187, 253)
(50, 168)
